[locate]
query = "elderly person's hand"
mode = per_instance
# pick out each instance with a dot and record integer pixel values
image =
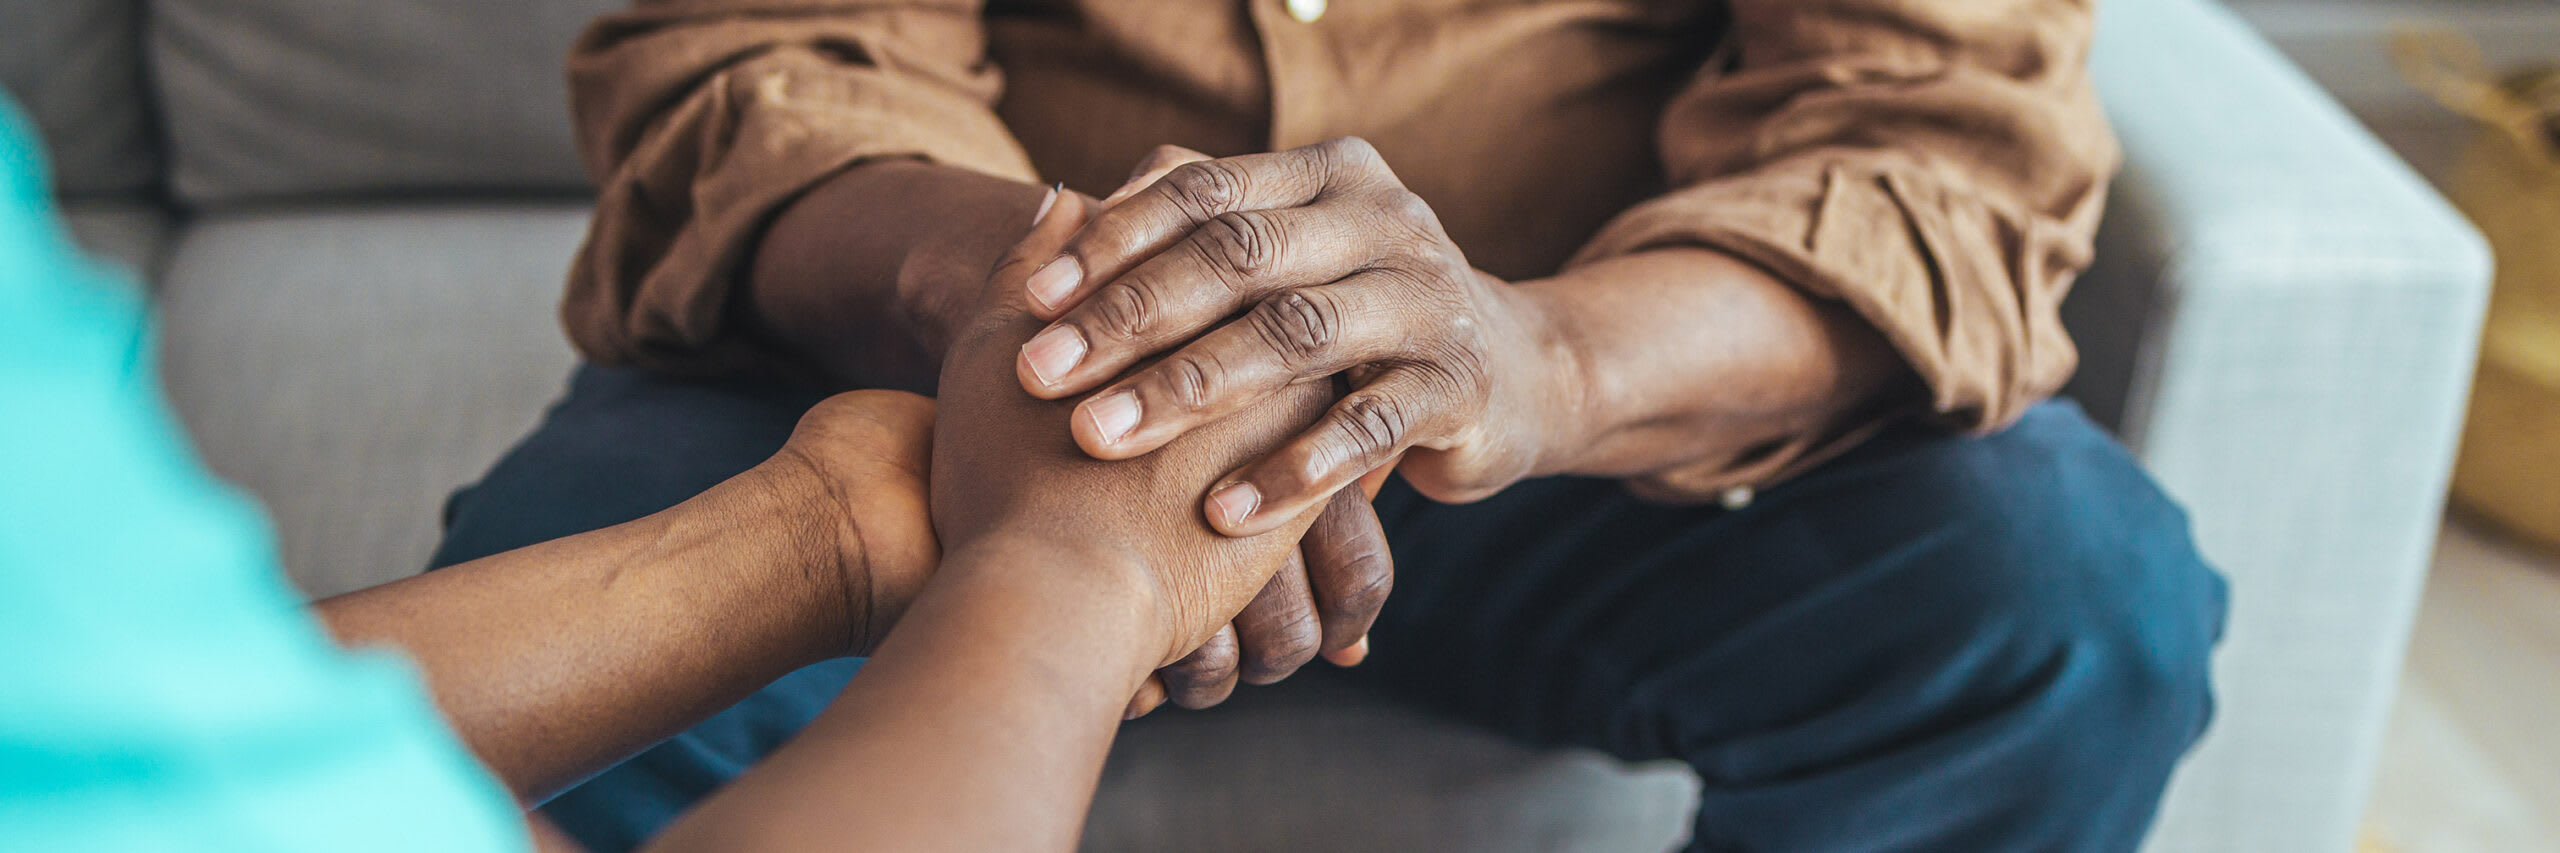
(1006, 476)
(1262, 273)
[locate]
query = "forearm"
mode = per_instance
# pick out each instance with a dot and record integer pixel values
(980, 724)
(556, 660)
(1686, 357)
(863, 275)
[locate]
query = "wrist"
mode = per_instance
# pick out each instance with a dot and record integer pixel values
(867, 273)
(1107, 590)
(749, 555)
(1563, 396)
(784, 526)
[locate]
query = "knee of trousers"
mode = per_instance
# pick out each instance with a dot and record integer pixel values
(2031, 592)
(2066, 599)
(2018, 633)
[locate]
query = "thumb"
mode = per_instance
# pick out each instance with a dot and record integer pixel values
(1060, 214)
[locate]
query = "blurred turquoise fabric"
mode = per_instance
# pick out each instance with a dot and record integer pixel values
(161, 686)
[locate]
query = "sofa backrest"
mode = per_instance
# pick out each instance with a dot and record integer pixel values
(268, 99)
(75, 65)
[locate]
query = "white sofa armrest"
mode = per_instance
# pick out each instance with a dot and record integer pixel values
(2292, 316)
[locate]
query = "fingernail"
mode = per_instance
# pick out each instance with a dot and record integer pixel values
(1051, 354)
(1046, 202)
(1236, 502)
(1051, 285)
(1113, 415)
(1350, 655)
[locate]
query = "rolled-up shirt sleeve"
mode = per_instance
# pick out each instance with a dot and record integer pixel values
(1936, 165)
(700, 120)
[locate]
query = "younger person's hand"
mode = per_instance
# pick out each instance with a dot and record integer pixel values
(857, 461)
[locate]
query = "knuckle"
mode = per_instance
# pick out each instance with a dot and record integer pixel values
(1350, 151)
(1289, 646)
(1298, 325)
(1242, 244)
(1373, 580)
(1219, 658)
(1206, 187)
(1183, 673)
(1409, 208)
(1158, 156)
(1122, 310)
(1204, 668)
(1416, 253)
(1373, 425)
(1185, 381)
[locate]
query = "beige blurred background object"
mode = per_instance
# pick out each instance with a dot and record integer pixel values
(2508, 183)
(2470, 763)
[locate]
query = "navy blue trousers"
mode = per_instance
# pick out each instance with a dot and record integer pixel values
(1931, 643)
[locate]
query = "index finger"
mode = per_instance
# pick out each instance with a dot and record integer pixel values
(1155, 218)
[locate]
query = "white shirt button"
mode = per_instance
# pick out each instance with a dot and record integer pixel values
(1306, 11)
(1736, 497)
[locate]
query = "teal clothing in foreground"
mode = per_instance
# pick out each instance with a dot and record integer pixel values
(161, 686)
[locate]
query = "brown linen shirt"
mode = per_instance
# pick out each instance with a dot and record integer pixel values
(1936, 165)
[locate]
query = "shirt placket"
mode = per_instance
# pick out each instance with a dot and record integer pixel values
(1299, 65)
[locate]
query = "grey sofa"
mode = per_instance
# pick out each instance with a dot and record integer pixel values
(357, 214)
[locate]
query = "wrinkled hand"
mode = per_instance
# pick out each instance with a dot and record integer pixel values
(1323, 608)
(1321, 603)
(1006, 474)
(1335, 269)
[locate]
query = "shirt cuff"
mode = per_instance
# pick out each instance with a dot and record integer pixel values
(1968, 294)
(677, 222)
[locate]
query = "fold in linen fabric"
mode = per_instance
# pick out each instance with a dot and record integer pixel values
(1936, 165)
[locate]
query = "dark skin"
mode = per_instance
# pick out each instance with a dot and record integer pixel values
(558, 660)
(1248, 275)
(1092, 581)
(982, 722)
(982, 719)
(871, 276)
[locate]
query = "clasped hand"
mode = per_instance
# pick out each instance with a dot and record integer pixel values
(1250, 276)
(1005, 475)
(1207, 314)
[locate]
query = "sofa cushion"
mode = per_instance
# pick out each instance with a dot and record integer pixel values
(1316, 763)
(351, 366)
(76, 66)
(287, 98)
(130, 234)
